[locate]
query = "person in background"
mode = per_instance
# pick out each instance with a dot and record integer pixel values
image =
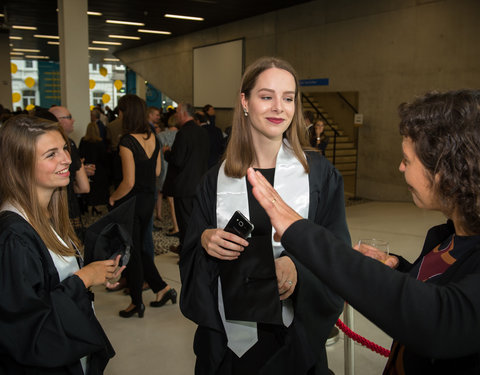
(215, 135)
(318, 138)
(93, 152)
(79, 183)
(187, 162)
(309, 117)
(166, 138)
(139, 153)
(47, 321)
(95, 118)
(258, 309)
(430, 307)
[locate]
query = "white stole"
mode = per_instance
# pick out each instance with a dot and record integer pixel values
(292, 184)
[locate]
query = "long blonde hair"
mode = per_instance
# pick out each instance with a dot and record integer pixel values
(240, 153)
(18, 139)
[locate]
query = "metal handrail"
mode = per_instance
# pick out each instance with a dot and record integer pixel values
(335, 132)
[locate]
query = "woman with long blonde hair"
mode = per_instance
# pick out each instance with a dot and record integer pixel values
(46, 315)
(248, 296)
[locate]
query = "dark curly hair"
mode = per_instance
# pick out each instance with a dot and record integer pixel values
(445, 130)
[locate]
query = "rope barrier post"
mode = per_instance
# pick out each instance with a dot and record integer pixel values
(349, 349)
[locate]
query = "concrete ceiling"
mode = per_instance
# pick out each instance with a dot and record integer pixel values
(43, 15)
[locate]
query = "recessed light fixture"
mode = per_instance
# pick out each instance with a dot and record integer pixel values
(16, 53)
(26, 50)
(106, 43)
(37, 57)
(94, 13)
(2, 15)
(184, 17)
(154, 31)
(53, 42)
(124, 37)
(98, 48)
(110, 59)
(15, 37)
(24, 27)
(125, 23)
(46, 36)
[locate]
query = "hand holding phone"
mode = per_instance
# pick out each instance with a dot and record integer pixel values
(239, 225)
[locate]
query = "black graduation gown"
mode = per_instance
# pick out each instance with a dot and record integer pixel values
(316, 306)
(46, 326)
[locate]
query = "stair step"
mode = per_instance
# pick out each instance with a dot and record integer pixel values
(344, 159)
(341, 152)
(345, 166)
(341, 145)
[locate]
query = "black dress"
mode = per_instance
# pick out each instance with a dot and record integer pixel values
(141, 265)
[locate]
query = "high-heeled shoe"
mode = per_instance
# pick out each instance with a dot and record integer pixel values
(140, 309)
(170, 294)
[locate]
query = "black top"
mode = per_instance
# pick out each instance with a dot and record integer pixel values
(144, 166)
(249, 283)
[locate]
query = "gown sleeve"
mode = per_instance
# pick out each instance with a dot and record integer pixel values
(426, 317)
(198, 270)
(40, 326)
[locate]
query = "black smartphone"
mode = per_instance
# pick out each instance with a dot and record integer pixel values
(239, 225)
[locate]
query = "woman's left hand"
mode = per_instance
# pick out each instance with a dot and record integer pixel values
(286, 276)
(111, 202)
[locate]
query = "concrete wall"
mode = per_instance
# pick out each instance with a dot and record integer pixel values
(387, 50)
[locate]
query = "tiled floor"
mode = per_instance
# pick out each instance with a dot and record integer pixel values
(161, 342)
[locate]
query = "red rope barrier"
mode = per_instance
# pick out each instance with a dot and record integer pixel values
(362, 340)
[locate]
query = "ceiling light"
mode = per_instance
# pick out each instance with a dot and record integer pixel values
(184, 17)
(124, 37)
(53, 42)
(26, 50)
(37, 57)
(24, 27)
(154, 31)
(46, 36)
(16, 53)
(125, 23)
(94, 13)
(2, 15)
(106, 43)
(98, 48)
(15, 37)
(110, 59)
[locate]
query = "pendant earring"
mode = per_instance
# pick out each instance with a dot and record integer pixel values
(245, 112)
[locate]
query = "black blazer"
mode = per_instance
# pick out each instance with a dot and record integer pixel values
(46, 325)
(437, 321)
(187, 160)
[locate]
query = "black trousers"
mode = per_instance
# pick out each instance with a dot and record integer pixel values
(183, 210)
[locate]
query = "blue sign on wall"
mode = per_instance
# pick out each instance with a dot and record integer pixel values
(314, 82)
(49, 83)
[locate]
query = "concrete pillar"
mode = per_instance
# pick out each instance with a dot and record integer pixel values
(141, 87)
(5, 72)
(73, 31)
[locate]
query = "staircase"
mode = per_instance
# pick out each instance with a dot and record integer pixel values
(345, 152)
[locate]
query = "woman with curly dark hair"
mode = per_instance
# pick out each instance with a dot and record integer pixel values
(431, 308)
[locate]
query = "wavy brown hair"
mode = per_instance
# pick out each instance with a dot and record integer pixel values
(240, 153)
(18, 139)
(445, 130)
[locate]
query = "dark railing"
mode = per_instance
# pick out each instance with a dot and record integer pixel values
(335, 132)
